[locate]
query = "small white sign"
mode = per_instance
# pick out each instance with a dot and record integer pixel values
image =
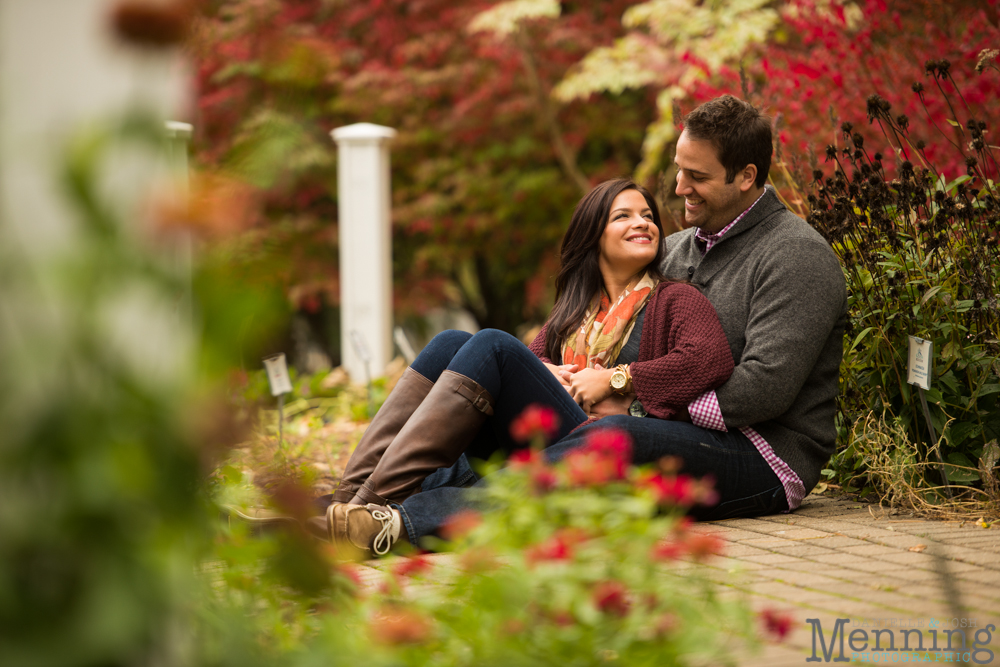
(920, 362)
(277, 374)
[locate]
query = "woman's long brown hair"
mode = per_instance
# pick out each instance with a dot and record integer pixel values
(579, 276)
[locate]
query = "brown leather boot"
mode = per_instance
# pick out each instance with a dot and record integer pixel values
(434, 437)
(405, 398)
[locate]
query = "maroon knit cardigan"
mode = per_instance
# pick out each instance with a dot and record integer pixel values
(683, 351)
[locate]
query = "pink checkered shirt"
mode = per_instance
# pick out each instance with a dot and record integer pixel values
(709, 240)
(706, 413)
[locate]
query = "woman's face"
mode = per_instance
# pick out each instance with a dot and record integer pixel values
(630, 237)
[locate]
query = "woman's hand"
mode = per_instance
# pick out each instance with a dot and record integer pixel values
(590, 385)
(563, 373)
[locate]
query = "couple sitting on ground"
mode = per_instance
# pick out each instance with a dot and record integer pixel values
(720, 345)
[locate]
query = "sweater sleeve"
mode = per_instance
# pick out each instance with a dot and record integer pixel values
(694, 355)
(537, 346)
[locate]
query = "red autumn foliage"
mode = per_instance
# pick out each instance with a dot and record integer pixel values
(832, 56)
(481, 194)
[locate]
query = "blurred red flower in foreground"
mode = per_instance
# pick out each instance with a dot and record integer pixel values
(777, 623)
(604, 457)
(543, 477)
(683, 543)
(701, 546)
(680, 490)
(216, 206)
(398, 625)
(611, 597)
(411, 567)
(558, 547)
(537, 420)
(460, 524)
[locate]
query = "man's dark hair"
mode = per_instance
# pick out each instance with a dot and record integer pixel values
(740, 133)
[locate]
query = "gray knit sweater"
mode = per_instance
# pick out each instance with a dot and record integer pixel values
(780, 294)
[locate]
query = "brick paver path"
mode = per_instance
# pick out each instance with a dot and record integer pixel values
(836, 558)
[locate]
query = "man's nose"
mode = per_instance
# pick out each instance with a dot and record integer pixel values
(683, 186)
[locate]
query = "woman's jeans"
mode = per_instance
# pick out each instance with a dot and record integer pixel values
(516, 378)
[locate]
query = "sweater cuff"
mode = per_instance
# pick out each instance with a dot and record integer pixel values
(706, 413)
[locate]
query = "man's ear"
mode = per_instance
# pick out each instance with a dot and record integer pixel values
(749, 176)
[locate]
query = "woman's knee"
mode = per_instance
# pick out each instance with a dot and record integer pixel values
(450, 339)
(439, 352)
(496, 339)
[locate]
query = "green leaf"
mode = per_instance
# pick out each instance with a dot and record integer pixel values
(931, 292)
(860, 336)
(956, 472)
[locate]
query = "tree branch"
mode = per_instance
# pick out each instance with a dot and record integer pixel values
(563, 153)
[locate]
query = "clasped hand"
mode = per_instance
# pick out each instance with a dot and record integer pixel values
(589, 387)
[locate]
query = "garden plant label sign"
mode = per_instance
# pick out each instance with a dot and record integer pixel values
(918, 368)
(277, 374)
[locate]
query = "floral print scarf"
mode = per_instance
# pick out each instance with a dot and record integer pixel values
(606, 326)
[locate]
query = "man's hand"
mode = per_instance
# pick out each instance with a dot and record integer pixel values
(615, 404)
(590, 385)
(563, 373)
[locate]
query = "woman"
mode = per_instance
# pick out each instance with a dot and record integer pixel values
(628, 340)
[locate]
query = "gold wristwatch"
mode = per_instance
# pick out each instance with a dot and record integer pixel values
(621, 380)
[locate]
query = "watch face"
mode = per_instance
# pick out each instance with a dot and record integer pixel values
(618, 380)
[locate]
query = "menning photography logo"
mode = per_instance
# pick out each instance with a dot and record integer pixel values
(902, 641)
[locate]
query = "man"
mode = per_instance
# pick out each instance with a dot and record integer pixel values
(780, 294)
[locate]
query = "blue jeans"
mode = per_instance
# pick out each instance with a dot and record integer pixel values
(745, 482)
(515, 378)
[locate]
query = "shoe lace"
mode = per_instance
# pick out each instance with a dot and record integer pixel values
(383, 541)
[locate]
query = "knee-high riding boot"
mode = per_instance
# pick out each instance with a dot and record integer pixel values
(410, 391)
(434, 437)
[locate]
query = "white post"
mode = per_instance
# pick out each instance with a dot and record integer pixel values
(365, 248)
(62, 71)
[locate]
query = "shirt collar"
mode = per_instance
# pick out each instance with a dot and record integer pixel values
(706, 241)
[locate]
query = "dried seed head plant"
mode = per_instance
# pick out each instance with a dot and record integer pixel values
(920, 253)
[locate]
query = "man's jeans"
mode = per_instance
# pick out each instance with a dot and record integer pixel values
(516, 378)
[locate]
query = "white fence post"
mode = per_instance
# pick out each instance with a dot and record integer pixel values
(365, 248)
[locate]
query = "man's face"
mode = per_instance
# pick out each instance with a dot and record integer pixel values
(709, 202)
